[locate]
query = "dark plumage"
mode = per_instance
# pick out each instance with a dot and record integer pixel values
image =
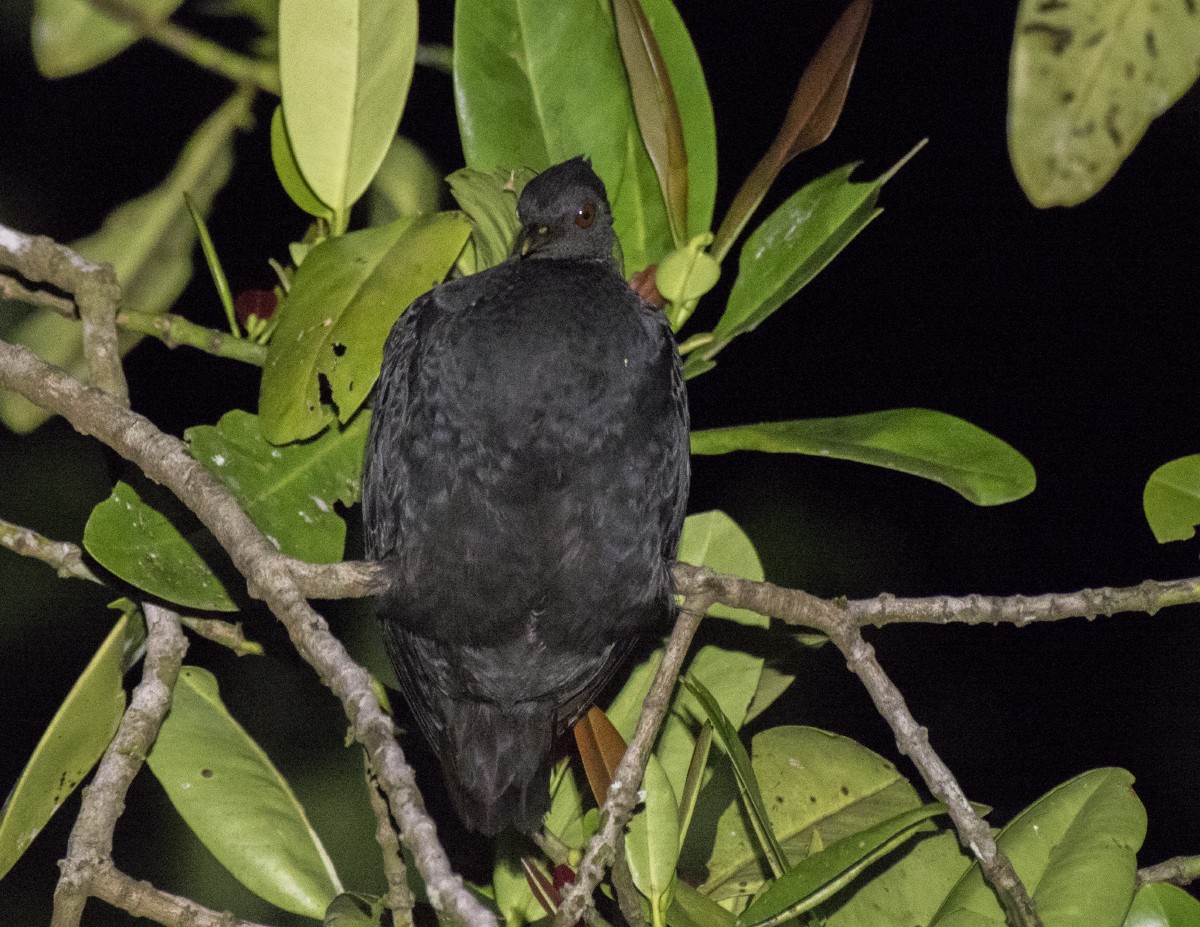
(525, 482)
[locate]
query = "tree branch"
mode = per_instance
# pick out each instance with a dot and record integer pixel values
(200, 51)
(623, 793)
(141, 899)
(89, 847)
(399, 897)
(1180, 870)
(96, 292)
(66, 558)
(269, 576)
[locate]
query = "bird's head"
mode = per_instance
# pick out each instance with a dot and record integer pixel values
(564, 213)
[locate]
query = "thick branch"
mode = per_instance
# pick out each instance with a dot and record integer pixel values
(141, 899)
(90, 844)
(623, 794)
(268, 573)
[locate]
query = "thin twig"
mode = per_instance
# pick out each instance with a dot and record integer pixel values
(96, 293)
(226, 633)
(623, 793)
(399, 897)
(200, 51)
(66, 558)
(90, 844)
(269, 576)
(629, 899)
(1179, 870)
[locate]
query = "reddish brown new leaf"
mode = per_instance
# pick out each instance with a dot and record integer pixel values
(601, 748)
(814, 111)
(656, 109)
(543, 889)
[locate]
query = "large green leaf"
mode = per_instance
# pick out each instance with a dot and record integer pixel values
(817, 788)
(234, 799)
(344, 300)
(1085, 80)
(149, 242)
(140, 545)
(908, 891)
(489, 198)
(1075, 849)
(1162, 905)
(283, 156)
(715, 540)
(288, 491)
(1171, 499)
(652, 842)
(77, 736)
(791, 247)
(345, 67)
(817, 877)
(524, 100)
(73, 36)
(934, 445)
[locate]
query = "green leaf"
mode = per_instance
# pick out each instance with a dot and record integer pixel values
(73, 36)
(689, 908)
(817, 788)
(686, 274)
(1085, 80)
(77, 737)
(149, 242)
(656, 110)
(354, 909)
(1075, 849)
(934, 445)
(524, 100)
(747, 781)
(694, 778)
(772, 683)
(237, 803)
(406, 184)
(908, 891)
(511, 889)
(344, 300)
(290, 491)
(791, 247)
(489, 198)
(345, 67)
(215, 270)
(1163, 905)
(695, 110)
(817, 877)
(141, 546)
(288, 171)
(1171, 499)
(652, 842)
(714, 540)
(565, 817)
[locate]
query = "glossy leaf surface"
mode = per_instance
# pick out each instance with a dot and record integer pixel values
(78, 735)
(979, 466)
(344, 300)
(289, 492)
(1171, 499)
(234, 799)
(141, 546)
(1162, 905)
(1076, 851)
(345, 67)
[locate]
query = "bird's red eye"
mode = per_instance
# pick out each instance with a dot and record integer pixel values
(585, 215)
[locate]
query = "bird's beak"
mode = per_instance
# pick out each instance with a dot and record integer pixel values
(531, 238)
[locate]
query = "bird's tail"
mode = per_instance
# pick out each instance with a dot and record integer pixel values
(497, 765)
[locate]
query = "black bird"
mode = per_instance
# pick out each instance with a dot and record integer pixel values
(525, 483)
